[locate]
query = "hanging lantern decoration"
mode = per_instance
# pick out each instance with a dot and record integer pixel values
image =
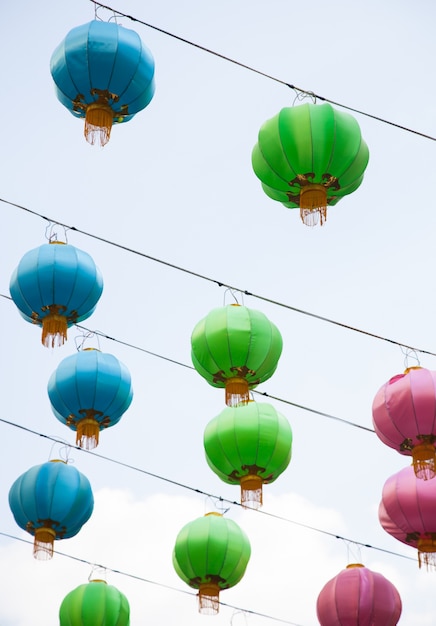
(408, 513)
(56, 286)
(51, 501)
(210, 554)
(90, 391)
(95, 604)
(310, 156)
(236, 348)
(358, 597)
(250, 445)
(103, 73)
(404, 417)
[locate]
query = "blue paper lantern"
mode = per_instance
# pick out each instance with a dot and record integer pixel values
(90, 391)
(51, 501)
(104, 73)
(56, 286)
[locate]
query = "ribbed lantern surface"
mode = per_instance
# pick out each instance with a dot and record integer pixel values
(408, 513)
(250, 445)
(404, 417)
(358, 596)
(55, 286)
(51, 501)
(104, 73)
(90, 391)
(211, 553)
(95, 604)
(235, 348)
(310, 156)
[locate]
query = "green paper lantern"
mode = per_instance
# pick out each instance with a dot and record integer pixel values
(95, 604)
(310, 156)
(250, 445)
(211, 553)
(236, 348)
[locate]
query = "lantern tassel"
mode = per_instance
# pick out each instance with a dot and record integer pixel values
(313, 204)
(88, 430)
(424, 461)
(427, 552)
(98, 123)
(54, 328)
(237, 391)
(208, 598)
(43, 543)
(251, 491)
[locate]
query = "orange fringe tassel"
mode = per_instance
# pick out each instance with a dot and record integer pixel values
(427, 552)
(237, 391)
(251, 491)
(88, 430)
(208, 598)
(424, 457)
(43, 543)
(313, 204)
(98, 123)
(54, 328)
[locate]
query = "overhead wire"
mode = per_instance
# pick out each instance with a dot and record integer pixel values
(244, 66)
(202, 492)
(218, 282)
(150, 582)
(265, 394)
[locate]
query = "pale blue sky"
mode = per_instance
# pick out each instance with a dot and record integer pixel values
(176, 183)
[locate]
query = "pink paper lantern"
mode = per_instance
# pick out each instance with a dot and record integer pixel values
(407, 512)
(358, 597)
(404, 417)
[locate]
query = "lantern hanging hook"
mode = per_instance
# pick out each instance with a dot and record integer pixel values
(113, 17)
(218, 504)
(233, 293)
(64, 451)
(303, 95)
(409, 353)
(240, 612)
(86, 334)
(52, 235)
(98, 573)
(354, 553)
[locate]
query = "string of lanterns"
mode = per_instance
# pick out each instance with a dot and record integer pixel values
(306, 157)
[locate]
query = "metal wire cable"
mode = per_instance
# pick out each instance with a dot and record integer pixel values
(203, 493)
(312, 94)
(220, 283)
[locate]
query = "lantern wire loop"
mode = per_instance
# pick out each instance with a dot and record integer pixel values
(409, 353)
(64, 450)
(264, 74)
(84, 336)
(233, 293)
(52, 236)
(235, 613)
(97, 573)
(354, 552)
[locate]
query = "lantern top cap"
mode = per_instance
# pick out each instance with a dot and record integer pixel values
(58, 461)
(98, 580)
(351, 565)
(412, 367)
(213, 513)
(61, 243)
